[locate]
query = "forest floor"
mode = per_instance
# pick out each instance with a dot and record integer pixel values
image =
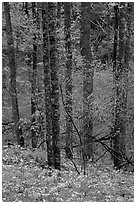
(24, 179)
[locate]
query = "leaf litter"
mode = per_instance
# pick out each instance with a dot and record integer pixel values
(24, 180)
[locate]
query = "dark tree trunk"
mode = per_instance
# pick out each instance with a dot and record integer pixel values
(25, 7)
(54, 84)
(11, 56)
(68, 72)
(59, 4)
(33, 84)
(120, 71)
(47, 83)
(88, 73)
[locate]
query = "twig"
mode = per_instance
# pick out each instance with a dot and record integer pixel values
(73, 125)
(100, 157)
(41, 143)
(102, 28)
(75, 166)
(70, 115)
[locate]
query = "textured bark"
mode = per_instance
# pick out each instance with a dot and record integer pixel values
(33, 84)
(68, 72)
(59, 4)
(11, 56)
(120, 71)
(54, 84)
(87, 80)
(39, 80)
(47, 83)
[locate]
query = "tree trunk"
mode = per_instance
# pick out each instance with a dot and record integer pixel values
(120, 71)
(11, 56)
(68, 73)
(54, 84)
(47, 83)
(59, 4)
(88, 73)
(33, 84)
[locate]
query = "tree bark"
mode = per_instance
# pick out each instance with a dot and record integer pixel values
(11, 56)
(88, 73)
(33, 84)
(120, 72)
(59, 4)
(68, 72)
(47, 83)
(54, 84)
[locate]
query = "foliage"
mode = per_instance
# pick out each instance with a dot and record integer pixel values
(26, 176)
(25, 180)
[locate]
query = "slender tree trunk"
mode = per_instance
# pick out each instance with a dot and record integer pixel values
(120, 71)
(41, 129)
(33, 84)
(68, 72)
(88, 73)
(54, 84)
(47, 83)
(11, 56)
(39, 74)
(59, 4)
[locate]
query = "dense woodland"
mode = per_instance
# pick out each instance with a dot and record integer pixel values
(68, 101)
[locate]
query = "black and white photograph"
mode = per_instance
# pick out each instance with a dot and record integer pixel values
(67, 101)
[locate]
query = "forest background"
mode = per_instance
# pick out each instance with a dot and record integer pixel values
(68, 86)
